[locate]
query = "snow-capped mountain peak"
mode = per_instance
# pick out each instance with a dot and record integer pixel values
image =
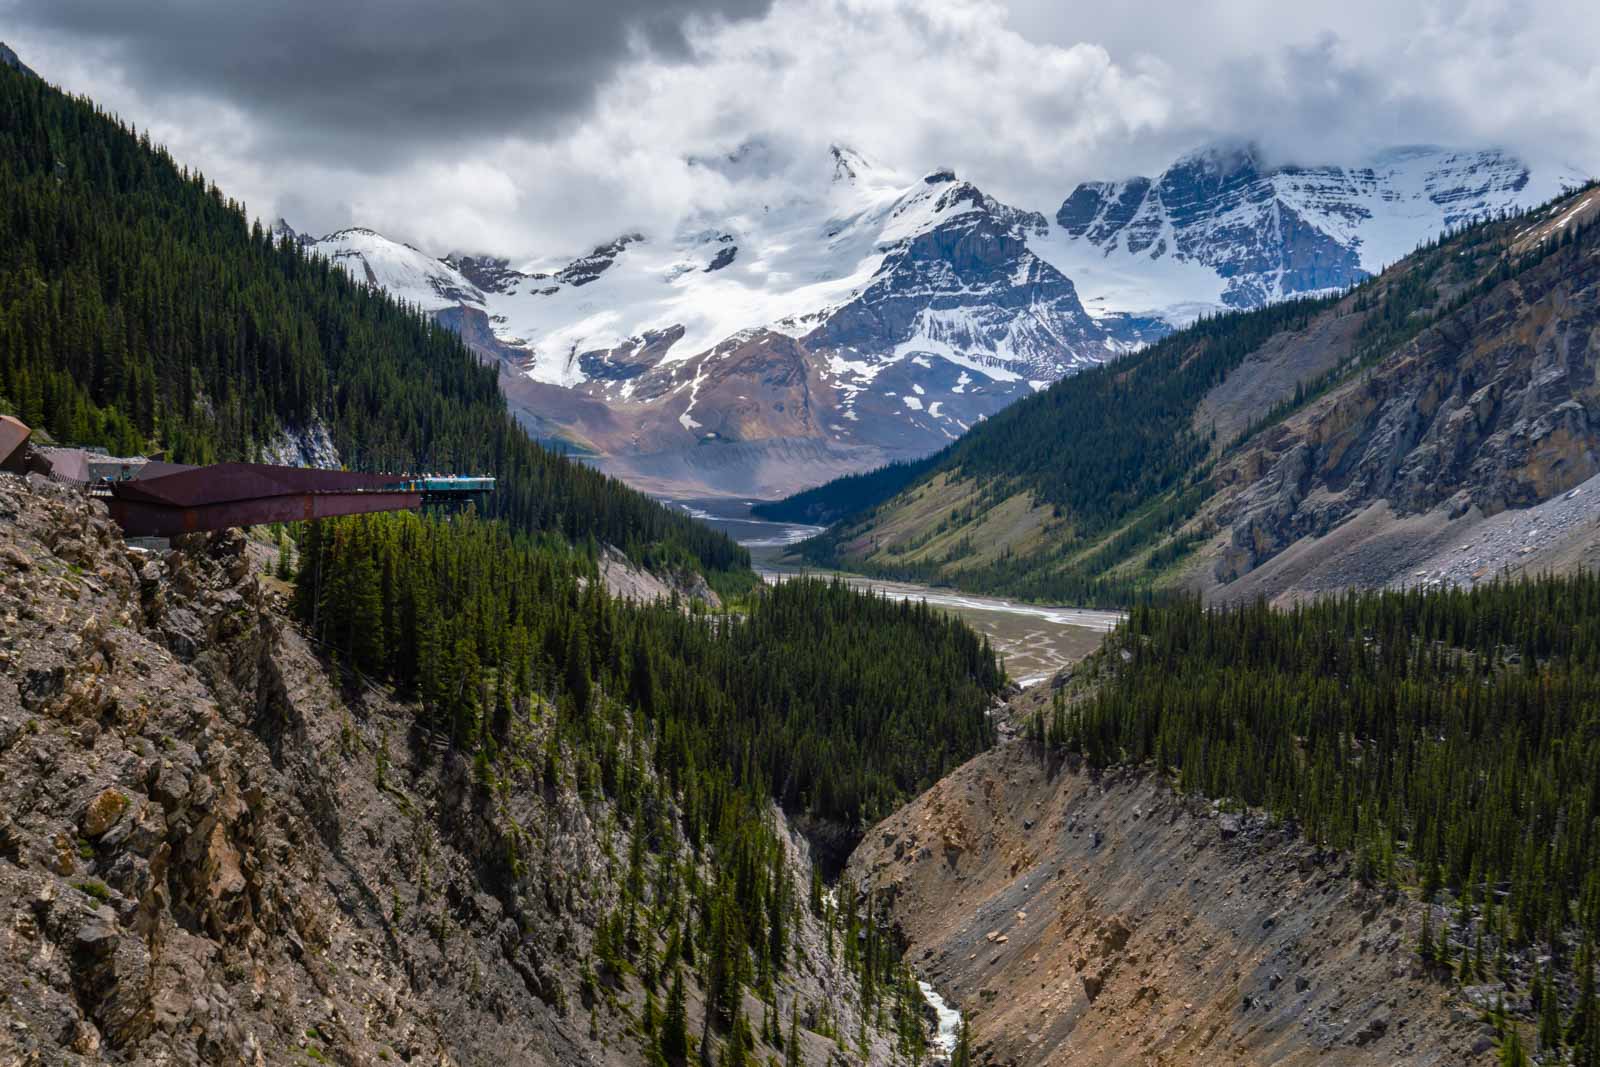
(827, 322)
(1220, 227)
(408, 273)
(848, 164)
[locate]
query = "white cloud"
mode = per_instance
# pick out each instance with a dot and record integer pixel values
(1025, 99)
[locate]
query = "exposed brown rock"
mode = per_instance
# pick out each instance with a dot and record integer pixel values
(104, 810)
(1104, 920)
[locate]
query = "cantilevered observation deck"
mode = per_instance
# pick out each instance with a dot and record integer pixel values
(149, 498)
(242, 494)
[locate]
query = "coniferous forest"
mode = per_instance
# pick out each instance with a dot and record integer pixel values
(836, 705)
(1448, 739)
(139, 309)
(848, 494)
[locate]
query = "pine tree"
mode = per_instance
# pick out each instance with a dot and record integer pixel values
(650, 1017)
(675, 1023)
(962, 1057)
(285, 569)
(777, 917)
(1427, 951)
(577, 661)
(793, 1055)
(741, 1043)
(1511, 1053)
(1549, 1017)
(1584, 1026)
(722, 966)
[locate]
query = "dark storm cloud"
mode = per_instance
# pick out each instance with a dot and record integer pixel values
(381, 77)
(539, 131)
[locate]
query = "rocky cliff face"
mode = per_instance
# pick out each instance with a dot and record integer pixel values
(1493, 406)
(1103, 919)
(215, 849)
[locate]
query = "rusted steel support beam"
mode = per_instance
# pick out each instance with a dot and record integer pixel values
(140, 518)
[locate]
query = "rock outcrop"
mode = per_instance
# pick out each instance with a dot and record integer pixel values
(1494, 406)
(1103, 919)
(217, 848)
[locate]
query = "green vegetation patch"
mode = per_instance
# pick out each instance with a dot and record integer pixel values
(836, 703)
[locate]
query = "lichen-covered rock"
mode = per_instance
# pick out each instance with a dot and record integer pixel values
(104, 810)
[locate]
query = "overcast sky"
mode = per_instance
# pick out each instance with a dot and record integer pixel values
(534, 128)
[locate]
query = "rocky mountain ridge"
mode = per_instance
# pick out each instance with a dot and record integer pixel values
(11, 59)
(1102, 918)
(1492, 407)
(1265, 231)
(871, 318)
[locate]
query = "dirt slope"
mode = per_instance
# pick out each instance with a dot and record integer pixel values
(1105, 920)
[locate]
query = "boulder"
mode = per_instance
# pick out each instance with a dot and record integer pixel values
(103, 812)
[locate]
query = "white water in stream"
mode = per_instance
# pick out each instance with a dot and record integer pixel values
(949, 1031)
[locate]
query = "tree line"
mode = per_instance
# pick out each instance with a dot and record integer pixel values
(836, 703)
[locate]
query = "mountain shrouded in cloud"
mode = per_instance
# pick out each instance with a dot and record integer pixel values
(546, 129)
(648, 213)
(846, 314)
